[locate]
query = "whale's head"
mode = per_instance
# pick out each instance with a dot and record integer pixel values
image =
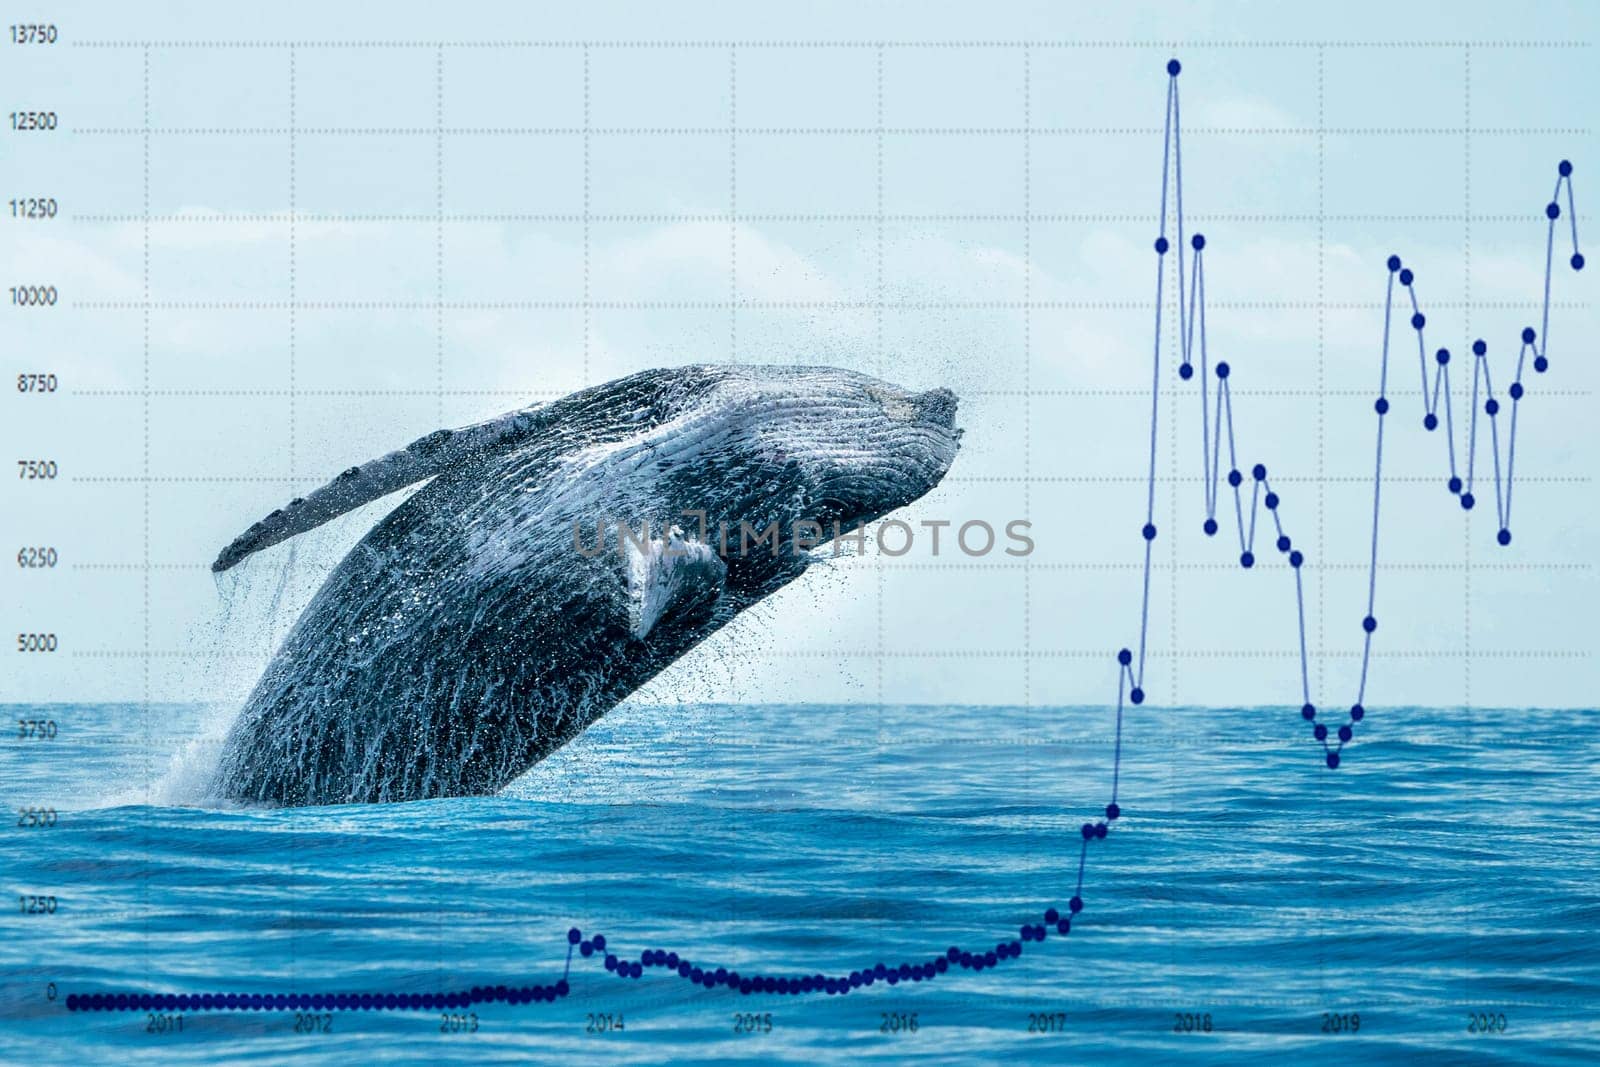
(854, 447)
(779, 459)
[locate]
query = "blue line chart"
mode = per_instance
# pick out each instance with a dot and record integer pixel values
(1214, 393)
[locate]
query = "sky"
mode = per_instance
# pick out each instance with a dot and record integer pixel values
(330, 276)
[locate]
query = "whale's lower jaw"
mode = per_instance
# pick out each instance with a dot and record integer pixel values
(467, 636)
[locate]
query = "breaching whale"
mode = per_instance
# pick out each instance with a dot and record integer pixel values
(491, 617)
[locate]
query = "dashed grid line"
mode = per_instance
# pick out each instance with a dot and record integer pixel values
(877, 319)
(864, 132)
(146, 619)
(733, 205)
(1068, 44)
(1099, 654)
(769, 305)
(293, 837)
(438, 229)
(1017, 565)
(1027, 413)
(532, 391)
(588, 299)
(206, 217)
(293, 250)
(1466, 315)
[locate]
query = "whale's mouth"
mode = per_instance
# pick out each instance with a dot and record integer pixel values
(904, 457)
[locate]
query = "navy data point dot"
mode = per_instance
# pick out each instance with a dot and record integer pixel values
(1333, 760)
(1161, 246)
(1271, 501)
(599, 941)
(1454, 484)
(1492, 406)
(1075, 904)
(1173, 66)
(1113, 812)
(1125, 656)
(1418, 321)
(1283, 544)
(1198, 241)
(1406, 277)
(1320, 732)
(1516, 390)
(1149, 531)
(1443, 356)
(1504, 537)
(1479, 347)
(1258, 472)
(1552, 210)
(1234, 478)
(574, 935)
(1296, 558)
(1577, 261)
(1541, 364)
(1430, 421)
(1564, 168)
(1100, 830)
(1185, 371)
(1357, 712)
(1137, 695)
(1394, 263)
(1210, 527)
(1222, 370)
(1247, 559)
(1381, 406)
(1369, 624)
(1528, 335)
(1308, 712)
(1088, 830)
(1052, 916)
(1467, 500)
(1345, 734)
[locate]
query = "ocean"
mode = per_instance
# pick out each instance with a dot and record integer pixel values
(1437, 896)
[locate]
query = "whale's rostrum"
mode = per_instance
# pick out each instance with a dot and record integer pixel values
(560, 557)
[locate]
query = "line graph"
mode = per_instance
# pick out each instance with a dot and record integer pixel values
(1214, 389)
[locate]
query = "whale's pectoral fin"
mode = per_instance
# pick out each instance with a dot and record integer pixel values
(669, 576)
(421, 459)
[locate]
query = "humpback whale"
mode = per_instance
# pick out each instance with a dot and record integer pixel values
(523, 591)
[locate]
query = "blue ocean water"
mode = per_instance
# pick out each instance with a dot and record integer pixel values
(1248, 906)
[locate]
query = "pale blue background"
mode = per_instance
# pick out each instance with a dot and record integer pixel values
(1464, 622)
